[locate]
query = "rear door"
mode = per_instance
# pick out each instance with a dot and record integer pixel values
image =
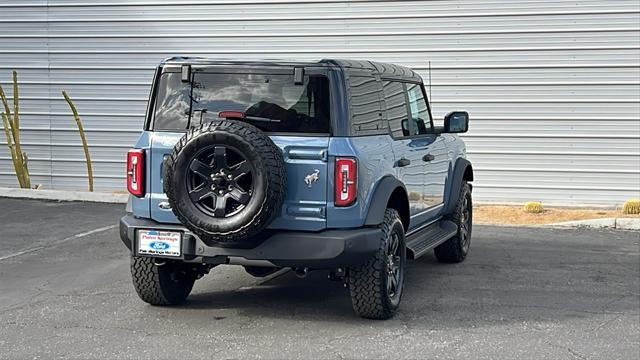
(407, 152)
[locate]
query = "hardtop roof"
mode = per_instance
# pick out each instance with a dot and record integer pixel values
(382, 69)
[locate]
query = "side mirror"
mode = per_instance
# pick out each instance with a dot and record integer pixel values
(456, 122)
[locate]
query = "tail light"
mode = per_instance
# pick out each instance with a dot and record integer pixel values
(346, 181)
(135, 172)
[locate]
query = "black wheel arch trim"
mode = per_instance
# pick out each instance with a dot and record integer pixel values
(378, 204)
(462, 167)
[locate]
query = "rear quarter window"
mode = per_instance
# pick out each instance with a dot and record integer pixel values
(172, 103)
(396, 106)
(365, 106)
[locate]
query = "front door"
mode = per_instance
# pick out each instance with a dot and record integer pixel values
(432, 148)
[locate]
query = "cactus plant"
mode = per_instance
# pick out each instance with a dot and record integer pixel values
(631, 206)
(12, 132)
(533, 207)
(87, 155)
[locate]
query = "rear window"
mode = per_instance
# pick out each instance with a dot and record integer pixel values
(273, 103)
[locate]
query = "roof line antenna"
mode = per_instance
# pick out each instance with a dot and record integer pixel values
(430, 92)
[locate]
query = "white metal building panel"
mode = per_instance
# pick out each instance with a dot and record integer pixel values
(553, 87)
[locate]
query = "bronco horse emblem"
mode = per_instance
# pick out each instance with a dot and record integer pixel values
(311, 178)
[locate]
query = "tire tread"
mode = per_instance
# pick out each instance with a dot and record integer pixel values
(155, 287)
(367, 288)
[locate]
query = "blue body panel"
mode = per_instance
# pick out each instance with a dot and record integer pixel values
(375, 160)
(377, 156)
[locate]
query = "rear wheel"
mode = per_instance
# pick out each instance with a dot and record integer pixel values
(376, 286)
(160, 282)
(455, 249)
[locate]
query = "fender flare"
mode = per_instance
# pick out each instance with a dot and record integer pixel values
(459, 170)
(378, 204)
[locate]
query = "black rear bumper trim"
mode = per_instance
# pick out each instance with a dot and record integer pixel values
(324, 249)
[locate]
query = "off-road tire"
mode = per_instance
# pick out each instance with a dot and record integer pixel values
(167, 284)
(267, 198)
(454, 250)
(368, 282)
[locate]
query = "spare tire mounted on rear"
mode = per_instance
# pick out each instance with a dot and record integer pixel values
(225, 181)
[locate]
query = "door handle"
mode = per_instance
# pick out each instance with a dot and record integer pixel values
(428, 158)
(403, 162)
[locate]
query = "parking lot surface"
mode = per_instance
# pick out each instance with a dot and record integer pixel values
(65, 291)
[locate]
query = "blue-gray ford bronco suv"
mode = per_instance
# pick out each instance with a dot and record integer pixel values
(333, 165)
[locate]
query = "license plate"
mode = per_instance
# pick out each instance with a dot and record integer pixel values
(159, 243)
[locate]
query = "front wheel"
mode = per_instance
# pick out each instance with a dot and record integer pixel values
(376, 286)
(455, 249)
(161, 282)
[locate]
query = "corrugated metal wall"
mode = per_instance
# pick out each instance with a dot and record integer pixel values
(553, 87)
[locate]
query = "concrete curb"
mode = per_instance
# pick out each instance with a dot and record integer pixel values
(628, 223)
(606, 223)
(62, 195)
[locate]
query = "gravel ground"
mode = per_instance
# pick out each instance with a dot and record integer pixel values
(65, 291)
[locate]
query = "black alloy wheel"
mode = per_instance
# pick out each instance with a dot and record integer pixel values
(395, 275)
(465, 224)
(455, 250)
(220, 181)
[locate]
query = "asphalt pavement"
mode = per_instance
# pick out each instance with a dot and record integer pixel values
(531, 293)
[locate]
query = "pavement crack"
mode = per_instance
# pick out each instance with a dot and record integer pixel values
(606, 322)
(571, 351)
(142, 331)
(576, 354)
(608, 305)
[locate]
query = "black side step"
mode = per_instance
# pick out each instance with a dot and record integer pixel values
(425, 239)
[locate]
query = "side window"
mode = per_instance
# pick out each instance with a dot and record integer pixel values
(364, 101)
(396, 104)
(419, 110)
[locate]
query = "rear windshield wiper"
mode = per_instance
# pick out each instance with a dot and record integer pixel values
(258, 118)
(230, 114)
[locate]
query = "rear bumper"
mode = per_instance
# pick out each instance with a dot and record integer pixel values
(324, 249)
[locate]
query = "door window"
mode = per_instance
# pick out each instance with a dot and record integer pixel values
(419, 110)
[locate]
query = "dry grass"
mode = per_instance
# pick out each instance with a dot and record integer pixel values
(631, 206)
(533, 207)
(514, 215)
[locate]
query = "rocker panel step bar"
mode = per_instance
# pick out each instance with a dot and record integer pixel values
(427, 238)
